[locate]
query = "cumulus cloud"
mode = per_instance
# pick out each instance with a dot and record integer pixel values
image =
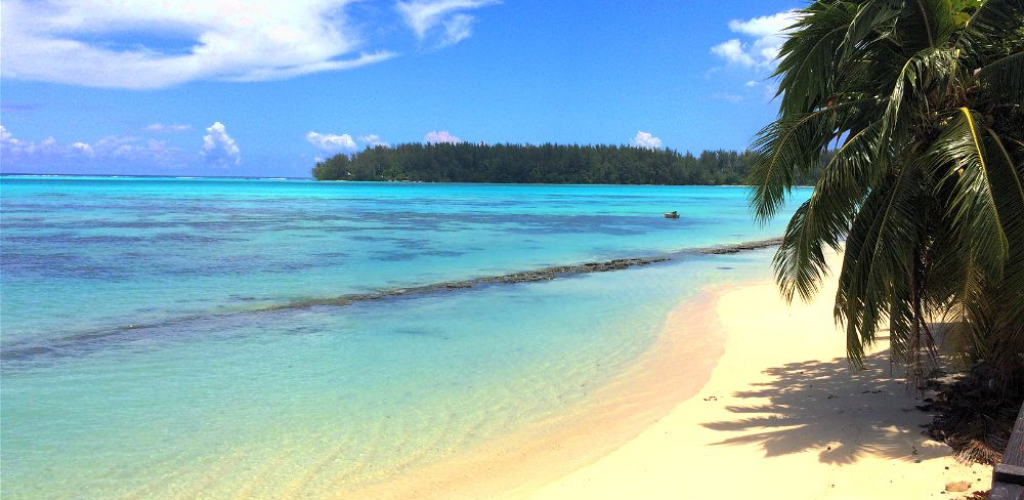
(763, 36)
(372, 140)
(13, 148)
(167, 127)
(331, 143)
(343, 143)
(424, 15)
(733, 52)
(80, 42)
(646, 140)
(765, 26)
(84, 148)
(219, 148)
(441, 137)
(49, 153)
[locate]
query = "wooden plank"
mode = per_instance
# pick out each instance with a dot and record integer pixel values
(1014, 454)
(1010, 474)
(1003, 491)
(1008, 477)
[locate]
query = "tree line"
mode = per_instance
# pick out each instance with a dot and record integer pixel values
(548, 163)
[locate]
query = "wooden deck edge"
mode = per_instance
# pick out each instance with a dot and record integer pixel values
(1010, 474)
(1008, 477)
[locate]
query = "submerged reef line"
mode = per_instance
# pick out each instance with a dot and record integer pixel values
(543, 274)
(87, 341)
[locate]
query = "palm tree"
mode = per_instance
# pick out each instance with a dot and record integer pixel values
(922, 104)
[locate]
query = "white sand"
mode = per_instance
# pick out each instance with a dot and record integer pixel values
(783, 416)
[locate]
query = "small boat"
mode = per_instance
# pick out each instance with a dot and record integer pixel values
(672, 215)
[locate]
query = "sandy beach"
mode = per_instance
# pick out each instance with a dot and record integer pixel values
(782, 416)
(742, 395)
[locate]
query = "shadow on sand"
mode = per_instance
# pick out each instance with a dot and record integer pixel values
(831, 407)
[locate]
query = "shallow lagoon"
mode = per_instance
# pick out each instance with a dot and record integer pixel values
(217, 394)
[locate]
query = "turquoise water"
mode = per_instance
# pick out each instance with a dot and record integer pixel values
(140, 359)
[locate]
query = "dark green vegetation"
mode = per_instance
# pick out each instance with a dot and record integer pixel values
(550, 163)
(926, 101)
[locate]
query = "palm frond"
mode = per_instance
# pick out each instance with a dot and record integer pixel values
(1006, 177)
(927, 98)
(789, 146)
(926, 23)
(909, 100)
(879, 252)
(992, 21)
(824, 219)
(958, 157)
(1004, 77)
(807, 57)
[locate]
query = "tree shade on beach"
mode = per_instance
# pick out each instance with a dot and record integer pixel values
(925, 101)
(547, 164)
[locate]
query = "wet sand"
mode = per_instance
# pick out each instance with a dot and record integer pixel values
(783, 416)
(741, 396)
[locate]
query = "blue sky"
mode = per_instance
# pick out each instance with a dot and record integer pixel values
(230, 87)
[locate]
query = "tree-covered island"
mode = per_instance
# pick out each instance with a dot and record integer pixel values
(548, 163)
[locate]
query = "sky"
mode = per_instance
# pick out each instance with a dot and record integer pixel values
(267, 88)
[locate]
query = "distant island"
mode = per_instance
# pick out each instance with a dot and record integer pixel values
(547, 164)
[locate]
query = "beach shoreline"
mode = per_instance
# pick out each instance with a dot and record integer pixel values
(519, 464)
(765, 404)
(783, 415)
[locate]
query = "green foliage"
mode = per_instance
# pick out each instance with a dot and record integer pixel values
(549, 163)
(926, 189)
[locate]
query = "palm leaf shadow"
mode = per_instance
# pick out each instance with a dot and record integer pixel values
(829, 406)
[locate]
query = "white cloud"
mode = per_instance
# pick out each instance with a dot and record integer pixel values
(733, 52)
(167, 127)
(14, 148)
(423, 15)
(331, 143)
(84, 148)
(372, 140)
(765, 36)
(764, 26)
(441, 137)
(458, 28)
(77, 41)
(14, 151)
(219, 148)
(116, 152)
(343, 143)
(135, 149)
(646, 140)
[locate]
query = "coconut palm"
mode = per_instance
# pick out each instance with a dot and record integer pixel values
(922, 103)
